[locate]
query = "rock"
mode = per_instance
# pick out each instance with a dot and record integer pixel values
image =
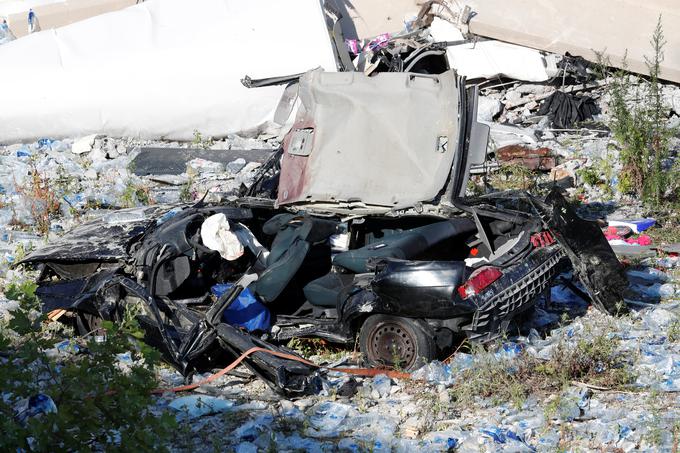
(303, 404)
(198, 166)
(84, 144)
(444, 396)
(97, 155)
(112, 153)
(512, 96)
(412, 427)
(236, 165)
(487, 108)
(671, 97)
(533, 89)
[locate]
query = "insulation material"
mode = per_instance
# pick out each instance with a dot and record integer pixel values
(160, 69)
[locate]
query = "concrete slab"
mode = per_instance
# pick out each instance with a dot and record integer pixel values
(173, 161)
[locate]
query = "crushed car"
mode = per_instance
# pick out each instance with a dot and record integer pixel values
(357, 230)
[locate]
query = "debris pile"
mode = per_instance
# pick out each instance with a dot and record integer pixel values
(444, 264)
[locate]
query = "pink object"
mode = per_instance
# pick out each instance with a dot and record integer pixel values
(352, 45)
(611, 233)
(640, 240)
(379, 41)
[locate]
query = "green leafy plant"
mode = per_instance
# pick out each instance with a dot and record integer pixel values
(638, 123)
(514, 177)
(186, 193)
(101, 403)
(42, 200)
(135, 194)
(202, 142)
(589, 175)
(673, 332)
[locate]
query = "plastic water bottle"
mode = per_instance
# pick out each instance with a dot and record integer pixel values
(6, 34)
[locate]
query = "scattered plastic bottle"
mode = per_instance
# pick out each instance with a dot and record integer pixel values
(195, 406)
(669, 262)
(329, 416)
(45, 143)
(24, 152)
(168, 215)
(34, 406)
(435, 372)
(125, 216)
(381, 386)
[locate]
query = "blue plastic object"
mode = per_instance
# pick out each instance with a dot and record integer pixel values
(246, 311)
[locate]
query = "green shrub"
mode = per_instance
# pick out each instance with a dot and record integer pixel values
(638, 123)
(101, 404)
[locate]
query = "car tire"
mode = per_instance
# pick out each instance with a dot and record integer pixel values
(393, 341)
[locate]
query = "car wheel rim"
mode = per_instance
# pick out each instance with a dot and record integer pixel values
(392, 344)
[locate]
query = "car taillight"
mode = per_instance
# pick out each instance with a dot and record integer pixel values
(542, 239)
(478, 281)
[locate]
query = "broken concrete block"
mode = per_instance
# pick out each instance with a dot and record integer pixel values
(198, 165)
(671, 98)
(488, 108)
(513, 96)
(84, 144)
(236, 165)
(564, 171)
(412, 427)
(98, 155)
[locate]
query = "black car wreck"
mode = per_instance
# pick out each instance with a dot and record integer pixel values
(356, 230)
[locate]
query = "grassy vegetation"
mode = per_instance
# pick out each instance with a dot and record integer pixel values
(514, 176)
(135, 194)
(673, 332)
(667, 228)
(187, 193)
(202, 142)
(318, 347)
(594, 362)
